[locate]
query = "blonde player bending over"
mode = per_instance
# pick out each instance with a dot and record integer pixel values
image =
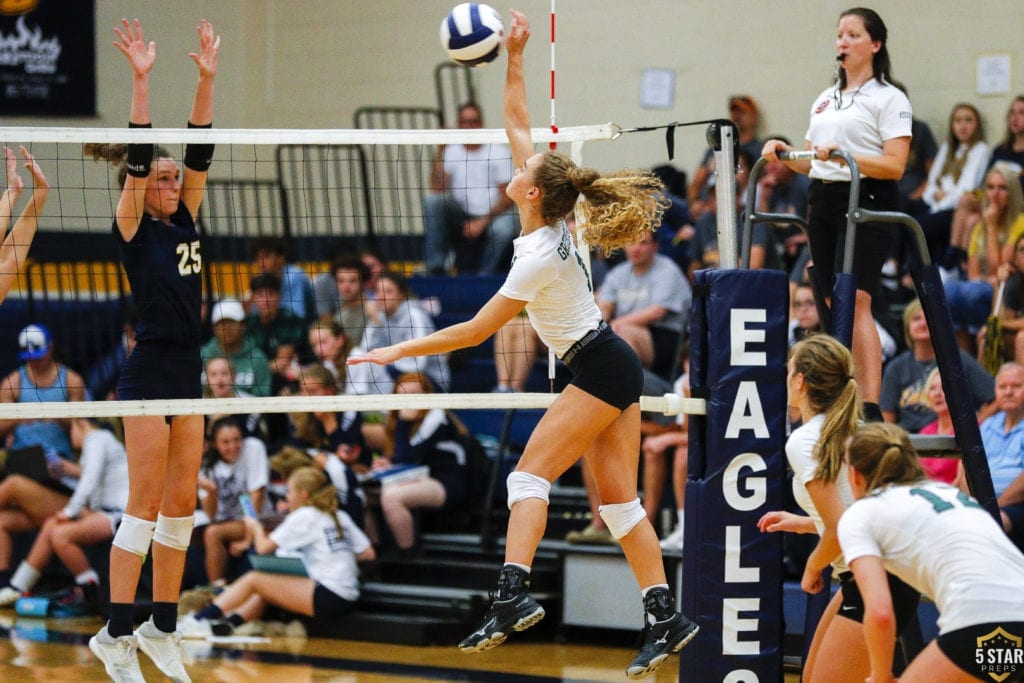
(943, 543)
(599, 413)
(14, 250)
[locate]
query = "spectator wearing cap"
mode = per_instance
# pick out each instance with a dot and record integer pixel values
(270, 256)
(276, 330)
(744, 112)
(250, 363)
(40, 379)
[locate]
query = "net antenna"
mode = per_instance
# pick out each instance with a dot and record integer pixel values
(554, 128)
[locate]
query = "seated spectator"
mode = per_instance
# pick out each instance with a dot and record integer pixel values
(467, 217)
(329, 543)
(270, 256)
(220, 383)
(919, 164)
(1002, 436)
(991, 245)
(764, 251)
(959, 168)
(656, 449)
(420, 437)
(333, 441)
(90, 516)
(744, 112)
(940, 469)
(646, 300)
(325, 289)
(42, 379)
(781, 190)
(331, 347)
(271, 326)
(1011, 315)
(1011, 149)
(350, 276)
(376, 264)
(101, 379)
(804, 319)
(233, 466)
(904, 399)
(676, 229)
(516, 347)
(395, 318)
(250, 364)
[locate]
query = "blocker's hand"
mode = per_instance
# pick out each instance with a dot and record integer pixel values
(518, 32)
(385, 355)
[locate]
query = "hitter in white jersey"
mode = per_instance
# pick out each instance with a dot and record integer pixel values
(943, 543)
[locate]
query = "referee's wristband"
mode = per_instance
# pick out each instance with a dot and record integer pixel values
(198, 157)
(140, 154)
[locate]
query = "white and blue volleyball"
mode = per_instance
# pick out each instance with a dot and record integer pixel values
(472, 33)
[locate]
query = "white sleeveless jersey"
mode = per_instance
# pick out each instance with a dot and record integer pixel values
(548, 273)
(943, 543)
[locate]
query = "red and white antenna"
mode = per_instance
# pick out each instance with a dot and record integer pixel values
(554, 128)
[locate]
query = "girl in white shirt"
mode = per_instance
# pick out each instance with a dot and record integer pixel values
(90, 516)
(330, 545)
(598, 414)
(943, 543)
(822, 388)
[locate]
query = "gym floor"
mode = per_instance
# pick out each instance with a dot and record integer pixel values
(57, 650)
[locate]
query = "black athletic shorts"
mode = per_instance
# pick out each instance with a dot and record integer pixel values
(998, 655)
(904, 600)
(328, 604)
(159, 370)
(826, 231)
(606, 367)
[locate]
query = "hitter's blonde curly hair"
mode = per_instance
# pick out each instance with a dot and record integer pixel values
(618, 209)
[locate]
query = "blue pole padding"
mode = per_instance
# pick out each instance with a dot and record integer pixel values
(844, 299)
(732, 573)
(956, 387)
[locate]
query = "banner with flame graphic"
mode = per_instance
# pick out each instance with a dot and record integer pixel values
(47, 58)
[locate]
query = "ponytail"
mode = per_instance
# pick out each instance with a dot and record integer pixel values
(322, 494)
(882, 453)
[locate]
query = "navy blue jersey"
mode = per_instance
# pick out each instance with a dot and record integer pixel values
(164, 268)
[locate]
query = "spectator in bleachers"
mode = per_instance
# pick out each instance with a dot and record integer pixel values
(923, 149)
(15, 246)
(1002, 436)
(417, 437)
(395, 318)
(1012, 313)
(41, 378)
(467, 216)
(959, 168)
(325, 289)
(904, 398)
(270, 256)
(803, 317)
(90, 516)
(646, 300)
(676, 229)
(350, 277)
(101, 379)
(331, 347)
(990, 246)
(250, 364)
(516, 348)
(376, 264)
(220, 383)
(937, 468)
(331, 546)
(270, 326)
(780, 189)
(233, 466)
(744, 112)
(1011, 149)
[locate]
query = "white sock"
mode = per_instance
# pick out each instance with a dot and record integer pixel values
(25, 577)
(87, 577)
(680, 512)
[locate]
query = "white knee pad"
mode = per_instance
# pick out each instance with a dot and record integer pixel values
(134, 534)
(174, 532)
(620, 518)
(522, 485)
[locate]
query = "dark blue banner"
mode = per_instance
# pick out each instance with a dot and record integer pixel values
(47, 58)
(732, 573)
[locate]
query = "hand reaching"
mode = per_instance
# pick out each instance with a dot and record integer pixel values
(130, 42)
(14, 182)
(384, 355)
(209, 48)
(38, 179)
(518, 32)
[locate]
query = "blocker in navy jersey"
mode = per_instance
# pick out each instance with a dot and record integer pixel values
(164, 267)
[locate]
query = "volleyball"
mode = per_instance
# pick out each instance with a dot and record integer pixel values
(472, 33)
